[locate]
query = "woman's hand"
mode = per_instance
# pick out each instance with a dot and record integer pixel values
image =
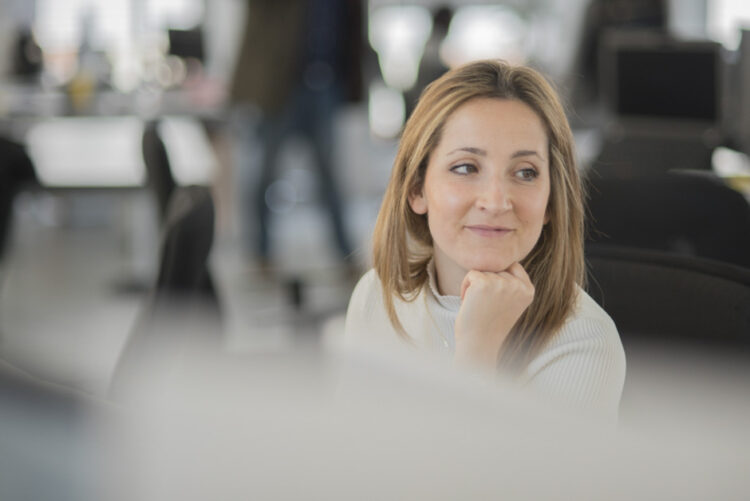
(491, 303)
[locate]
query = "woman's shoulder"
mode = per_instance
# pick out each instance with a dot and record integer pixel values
(368, 286)
(365, 303)
(367, 313)
(589, 312)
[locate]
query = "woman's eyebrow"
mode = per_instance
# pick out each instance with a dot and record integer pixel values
(470, 149)
(483, 153)
(526, 153)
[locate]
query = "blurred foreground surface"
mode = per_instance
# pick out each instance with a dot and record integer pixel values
(268, 406)
(335, 424)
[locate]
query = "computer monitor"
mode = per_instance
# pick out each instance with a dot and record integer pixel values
(187, 43)
(650, 76)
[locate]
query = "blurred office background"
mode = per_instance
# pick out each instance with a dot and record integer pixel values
(129, 168)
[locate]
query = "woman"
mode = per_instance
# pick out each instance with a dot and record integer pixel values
(478, 246)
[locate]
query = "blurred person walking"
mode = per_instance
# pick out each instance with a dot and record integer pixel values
(299, 61)
(431, 66)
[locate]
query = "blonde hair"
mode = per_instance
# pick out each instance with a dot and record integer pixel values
(402, 241)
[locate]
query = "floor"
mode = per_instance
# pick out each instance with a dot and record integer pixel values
(72, 286)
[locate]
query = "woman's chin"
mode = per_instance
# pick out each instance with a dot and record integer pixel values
(491, 265)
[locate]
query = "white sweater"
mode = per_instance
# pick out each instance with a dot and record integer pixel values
(582, 364)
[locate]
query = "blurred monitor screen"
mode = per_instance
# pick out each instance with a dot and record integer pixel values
(663, 79)
(186, 43)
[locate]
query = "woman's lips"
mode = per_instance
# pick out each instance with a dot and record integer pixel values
(488, 231)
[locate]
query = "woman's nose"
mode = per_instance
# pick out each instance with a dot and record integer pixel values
(494, 196)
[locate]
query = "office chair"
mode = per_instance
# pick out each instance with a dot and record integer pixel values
(651, 294)
(690, 214)
(183, 307)
(648, 156)
(158, 168)
(16, 171)
(186, 244)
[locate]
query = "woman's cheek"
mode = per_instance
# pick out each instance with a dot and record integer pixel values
(451, 200)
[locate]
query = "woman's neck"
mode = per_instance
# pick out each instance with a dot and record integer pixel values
(448, 276)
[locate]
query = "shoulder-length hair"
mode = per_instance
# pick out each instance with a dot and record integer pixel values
(402, 241)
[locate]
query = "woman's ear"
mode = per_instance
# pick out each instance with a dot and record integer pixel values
(418, 203)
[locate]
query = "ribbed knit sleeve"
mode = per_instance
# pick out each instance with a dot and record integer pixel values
(583, 364)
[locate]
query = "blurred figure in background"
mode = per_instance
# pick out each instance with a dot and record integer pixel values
(298, 62)
(431, 65)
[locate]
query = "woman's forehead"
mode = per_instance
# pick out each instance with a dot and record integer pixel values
(493, 123)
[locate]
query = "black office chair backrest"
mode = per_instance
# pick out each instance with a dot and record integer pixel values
(158, 168)
(183, 307)
(660, 295)
(187, 238)
(652, 155)
(16, 171)
(692, 214)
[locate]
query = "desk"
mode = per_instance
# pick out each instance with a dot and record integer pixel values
(105, 152)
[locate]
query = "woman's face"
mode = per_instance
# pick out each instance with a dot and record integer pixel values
(486, 189)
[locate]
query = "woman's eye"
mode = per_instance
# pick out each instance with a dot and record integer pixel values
(464, 169)
(527, 174)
